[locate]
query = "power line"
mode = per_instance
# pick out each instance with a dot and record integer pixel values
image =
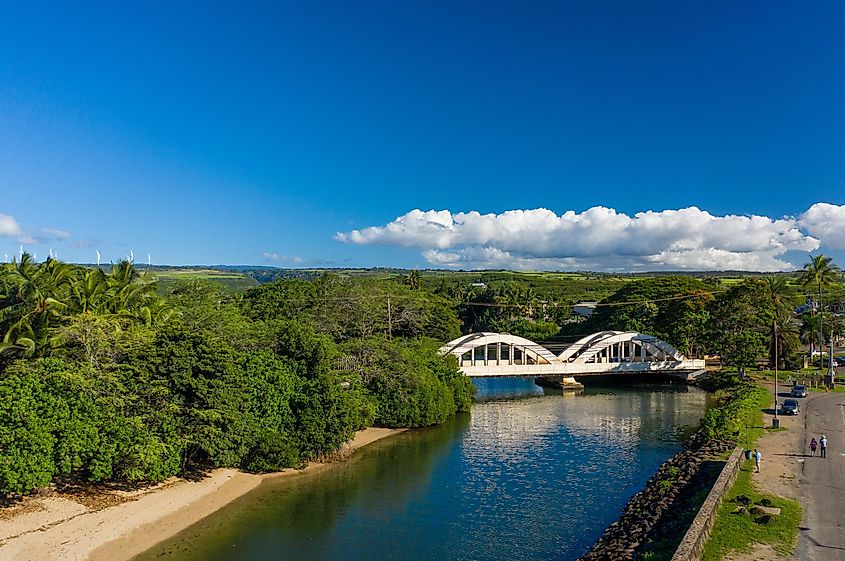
(599, 304)
(538, 304)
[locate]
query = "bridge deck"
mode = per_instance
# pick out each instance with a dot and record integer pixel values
(575, 369)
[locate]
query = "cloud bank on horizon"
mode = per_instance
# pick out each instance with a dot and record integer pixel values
(602, 239)
(10, 228)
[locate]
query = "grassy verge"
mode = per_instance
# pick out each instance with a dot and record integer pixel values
(739, 414)
(733, 531)
(803, 376)
(738, 531)
(836, 388)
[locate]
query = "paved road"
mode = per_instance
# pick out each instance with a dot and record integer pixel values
(822, 481)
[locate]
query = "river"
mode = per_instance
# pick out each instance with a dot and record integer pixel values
(525, 475)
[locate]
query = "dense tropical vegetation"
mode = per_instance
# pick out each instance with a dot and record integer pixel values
(104, 376)
(102, 379)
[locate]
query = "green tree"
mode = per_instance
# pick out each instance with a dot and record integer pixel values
(810, 330)
(413, 385)
(674, 309)
(783, 334)
(786, 341)
(26, 461)
(414, 280)
(31, 303)
(740, 321)
(819, 276)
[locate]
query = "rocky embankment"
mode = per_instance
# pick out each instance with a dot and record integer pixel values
(652, 511)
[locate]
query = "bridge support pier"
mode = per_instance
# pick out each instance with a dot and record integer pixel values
(565, 383)
(685, 376)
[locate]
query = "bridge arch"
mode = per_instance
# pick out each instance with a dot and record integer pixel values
(497, 349)
(620, 345)
(606, 352)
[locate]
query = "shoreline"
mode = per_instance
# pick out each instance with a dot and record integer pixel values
(61, 527)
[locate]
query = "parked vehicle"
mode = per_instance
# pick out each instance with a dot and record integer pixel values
(838, 361)
(798, 390)
(789, 407)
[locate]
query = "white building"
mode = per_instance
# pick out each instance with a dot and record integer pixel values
(584, 309)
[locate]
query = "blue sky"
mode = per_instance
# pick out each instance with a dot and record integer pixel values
(302, 134)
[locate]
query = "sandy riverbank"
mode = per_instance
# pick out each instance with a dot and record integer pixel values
(119, 525)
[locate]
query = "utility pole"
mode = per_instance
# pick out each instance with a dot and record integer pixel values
(776, 420)
(831, 371)
(389, 319)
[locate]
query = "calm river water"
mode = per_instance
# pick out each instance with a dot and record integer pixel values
(525, 475)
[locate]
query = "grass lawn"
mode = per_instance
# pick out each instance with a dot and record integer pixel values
(836, 388)
(226, 280)
(738, 532)
(803, 376)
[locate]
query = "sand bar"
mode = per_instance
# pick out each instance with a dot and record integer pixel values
(57, 527)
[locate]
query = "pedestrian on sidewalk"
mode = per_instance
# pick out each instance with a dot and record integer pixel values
(823, 445)
(757, 457)
(813, 446)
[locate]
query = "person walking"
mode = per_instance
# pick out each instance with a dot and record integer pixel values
(757, 457)
(813, 446)
(823, 446)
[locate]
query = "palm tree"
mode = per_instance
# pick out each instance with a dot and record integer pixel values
(776, 290)
(785, 338)
(131, 293)
(819, 274)
(31, 303)
(810, 331)
(89, 293)
(414, 280)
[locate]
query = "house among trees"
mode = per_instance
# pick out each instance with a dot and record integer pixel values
(837, 308)
(584, 309)
(808, 306)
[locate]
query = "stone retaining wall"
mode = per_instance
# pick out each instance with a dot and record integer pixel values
(692, 545)
(640, 517)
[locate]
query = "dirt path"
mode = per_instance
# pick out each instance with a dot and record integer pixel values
(790, 471)
(779, 469)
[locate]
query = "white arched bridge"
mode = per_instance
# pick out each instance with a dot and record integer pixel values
(607, 352)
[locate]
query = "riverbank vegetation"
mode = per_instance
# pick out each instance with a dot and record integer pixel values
(104, 380)
(737, 415)
(106, 376)
(742, 520)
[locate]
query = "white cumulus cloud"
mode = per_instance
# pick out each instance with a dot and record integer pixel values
(53, 233)
(598, 238)
(826, 222)
(279, 258)
(9, 227)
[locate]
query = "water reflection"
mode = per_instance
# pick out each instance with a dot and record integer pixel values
(528, 475)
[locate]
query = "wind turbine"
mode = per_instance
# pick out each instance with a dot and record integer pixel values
(149, 261)
(21, 252)
(98, 257)
(131, 256)
(51, 253)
